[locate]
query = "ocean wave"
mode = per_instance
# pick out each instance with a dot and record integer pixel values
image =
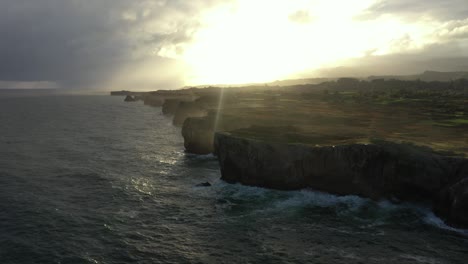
(369, 213)
(201, 157)
(431, 219)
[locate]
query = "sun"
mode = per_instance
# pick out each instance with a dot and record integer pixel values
(257, 41)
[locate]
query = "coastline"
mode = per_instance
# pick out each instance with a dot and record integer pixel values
(271, 151)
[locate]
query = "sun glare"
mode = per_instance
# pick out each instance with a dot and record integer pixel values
(257, 41)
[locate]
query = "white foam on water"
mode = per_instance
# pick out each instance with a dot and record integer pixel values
(201, 157)
(348, 204)
(431, 219)
(320, 199)
(421, 259)
(243, 192)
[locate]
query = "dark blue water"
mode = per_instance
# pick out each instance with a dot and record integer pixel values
(91, 179)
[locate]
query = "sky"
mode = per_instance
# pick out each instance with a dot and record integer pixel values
(168, 44)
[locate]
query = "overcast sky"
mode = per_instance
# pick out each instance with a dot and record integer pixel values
(161, 44)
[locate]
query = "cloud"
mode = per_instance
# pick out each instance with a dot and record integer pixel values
(450, 56)
(79, 43)
(452, 30)
(417, 9)
(157, 44)
(301, 17)
(436, 35)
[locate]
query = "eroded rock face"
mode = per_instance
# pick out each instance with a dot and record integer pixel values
(452, 201)
(372, 170)
(198, 133)
(186, 110)
(452, 204)
(380, 170)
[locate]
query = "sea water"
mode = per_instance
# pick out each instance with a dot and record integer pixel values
(91, 179)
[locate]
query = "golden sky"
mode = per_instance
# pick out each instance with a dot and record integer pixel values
(262, 41)
(157, 44)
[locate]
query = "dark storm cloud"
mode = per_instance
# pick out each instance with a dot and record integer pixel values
(416, 9)
(82, 43)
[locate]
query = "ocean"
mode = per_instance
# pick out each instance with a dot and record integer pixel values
(91, 179)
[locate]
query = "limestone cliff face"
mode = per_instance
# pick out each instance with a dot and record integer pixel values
(452, 204)
(452, 201)
(381, 170)
(198, 133)
(384, 170)
(372, 170)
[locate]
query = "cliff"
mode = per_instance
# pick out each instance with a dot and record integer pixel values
(198, 133)
(377, 170)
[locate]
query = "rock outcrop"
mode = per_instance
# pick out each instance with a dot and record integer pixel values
(377, 170)
(198, 133)
(203, 184)
(129, 98)
(121, 93)
(452, 201)
(452, 204)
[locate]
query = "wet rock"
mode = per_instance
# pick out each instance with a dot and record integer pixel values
(203, 184)
(129, 98)
(452, 204)
(222, 201)
(452, 201)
